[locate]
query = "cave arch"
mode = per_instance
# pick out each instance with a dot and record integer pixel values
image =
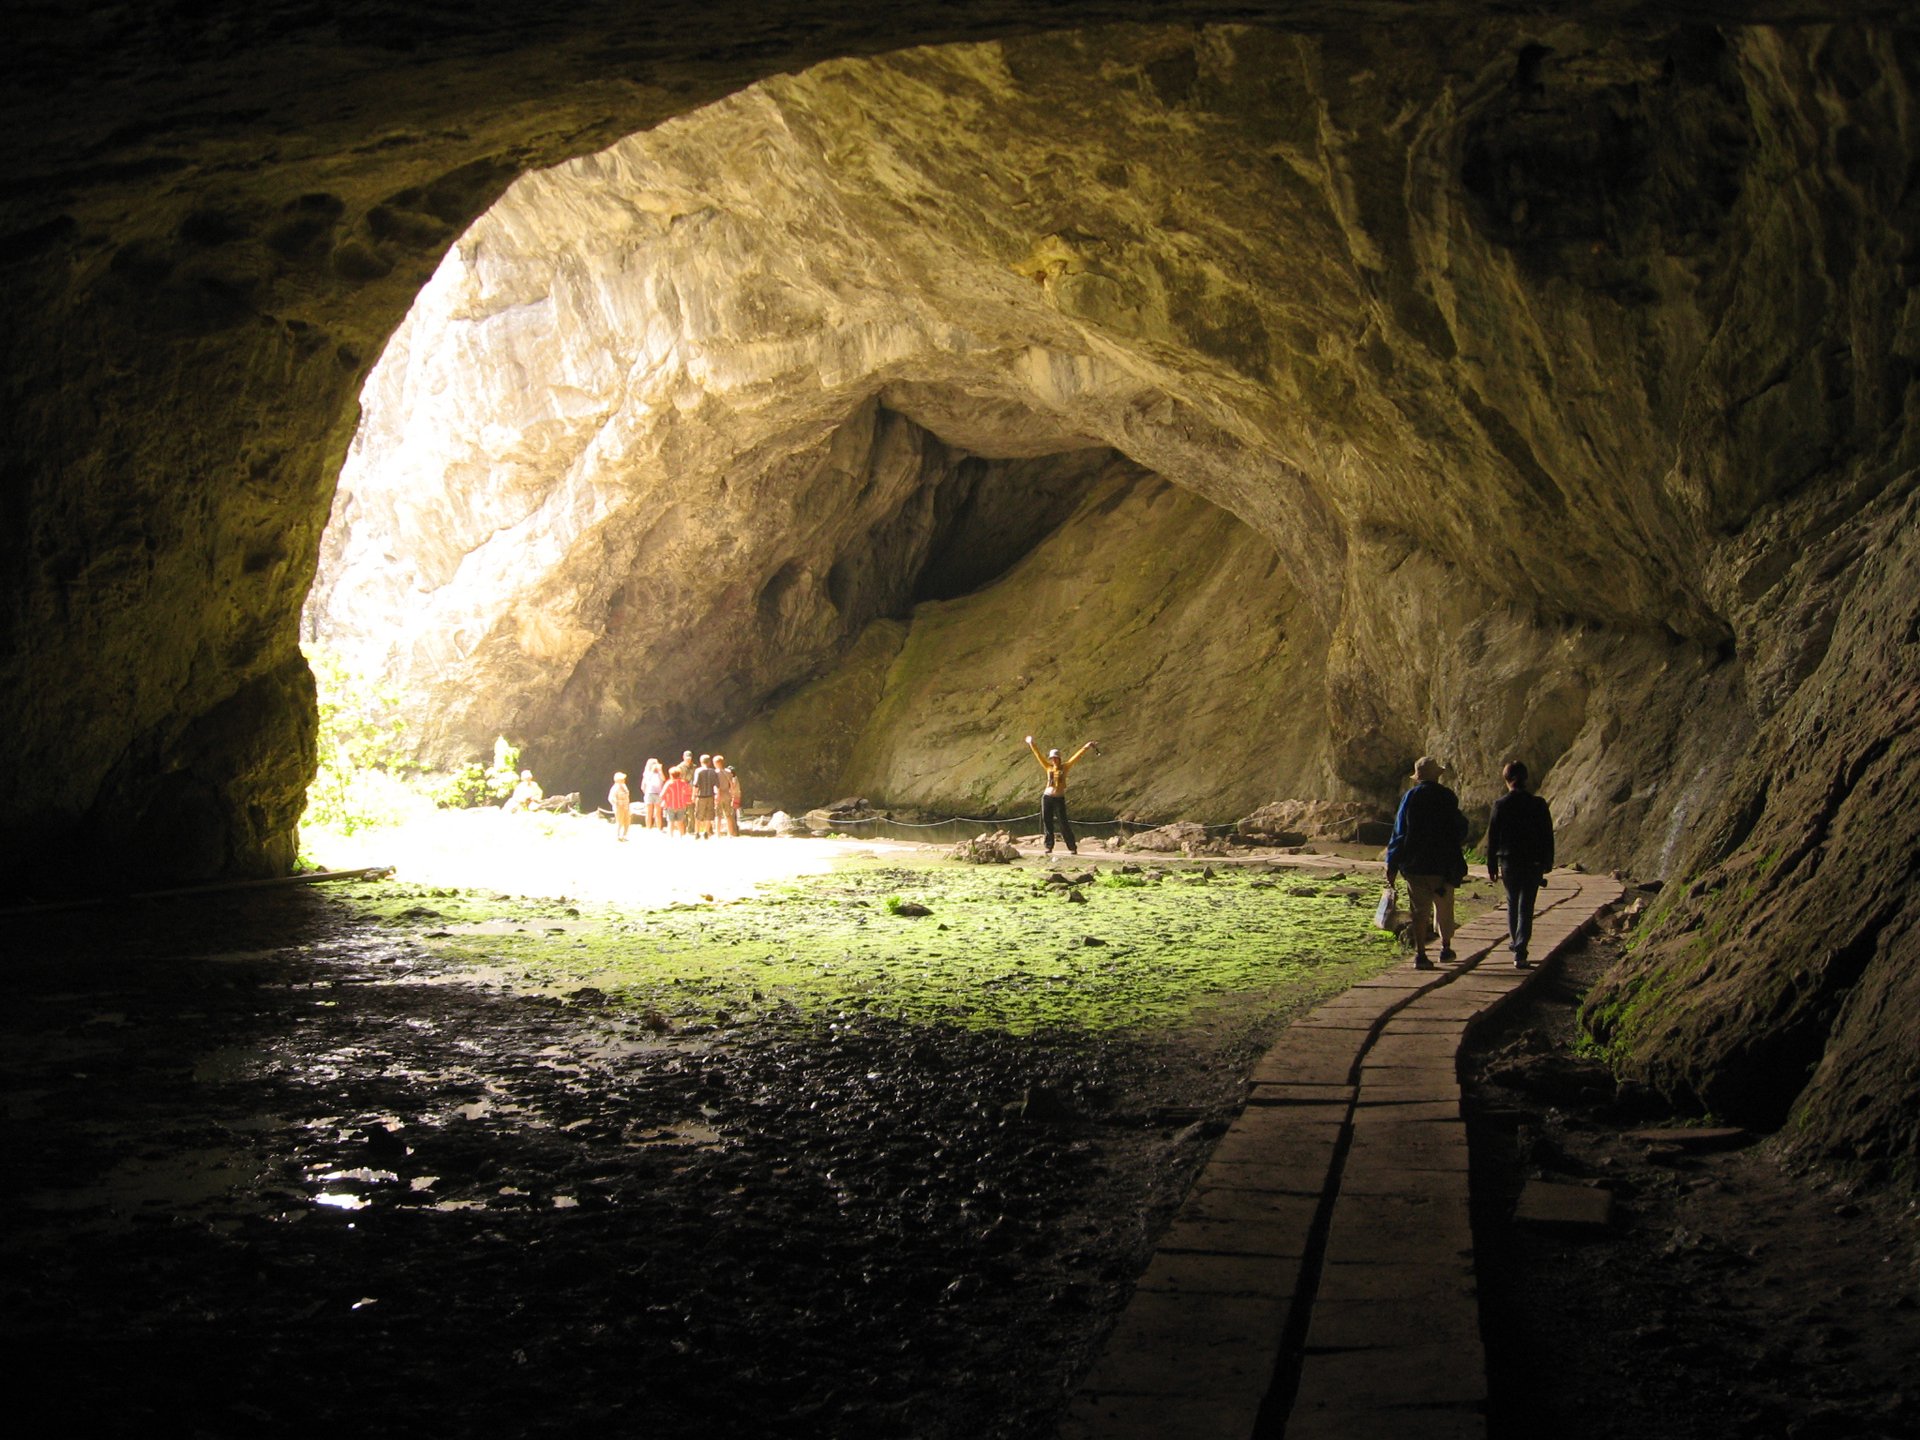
(1702, 376)
(730, 316)
(767, 404)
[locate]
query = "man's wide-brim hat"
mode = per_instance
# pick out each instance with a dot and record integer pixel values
(1428, 768)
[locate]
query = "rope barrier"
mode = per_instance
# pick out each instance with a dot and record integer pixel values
(980, 820)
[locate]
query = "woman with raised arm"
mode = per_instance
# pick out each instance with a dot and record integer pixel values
(1053, 800)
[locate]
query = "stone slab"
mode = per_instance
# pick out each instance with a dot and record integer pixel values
(1250, 1207)
(1312, 1112)
(1359, 1012)
(1382, 1175)
(1258, 1276)
(1412, 1228)
(1439, 1110)
(1372, 1324)
(1564, 1207)
(1157, 1417)
(1310, 1057)
(1442, 1281)
(1234, 1237)
(1441, 1089)
(1306, 1144)
(1391, 1377)
(1406, 1422)
(1411, 1047)
(1425, 1144)
(1296, 1093)
(1309, 1177)
(1189, 1344)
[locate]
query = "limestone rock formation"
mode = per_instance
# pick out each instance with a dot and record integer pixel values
(1292, 822)
(1533, 387)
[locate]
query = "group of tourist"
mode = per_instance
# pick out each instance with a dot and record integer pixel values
(701, 797)
(1429, 832)
(698, 797)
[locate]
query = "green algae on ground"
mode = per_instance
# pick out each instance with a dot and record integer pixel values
(1002, 948)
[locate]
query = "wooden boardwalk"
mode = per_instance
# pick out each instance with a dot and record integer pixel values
(1318, 1282)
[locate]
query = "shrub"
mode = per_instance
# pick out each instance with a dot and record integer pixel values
(363, 756)
(475, 785)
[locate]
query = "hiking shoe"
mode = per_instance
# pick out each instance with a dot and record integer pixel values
(1420, 962)
(1520, 962)
(1446, 952)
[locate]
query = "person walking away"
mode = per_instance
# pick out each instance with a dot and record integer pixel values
(1428, 831)
(675, 797)
(1519, 854)
(621, 799)
(1053, 799)
(653, 780)
(729, 795)
(706, 794)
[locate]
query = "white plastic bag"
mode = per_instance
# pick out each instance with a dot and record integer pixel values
(1386, 915)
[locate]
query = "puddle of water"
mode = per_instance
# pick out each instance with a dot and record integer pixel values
(342, 1200)
(363, 1175)
(461, 1205)
(565, 1202)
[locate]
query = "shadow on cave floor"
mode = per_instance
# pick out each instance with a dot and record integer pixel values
(257, 1179)
(1732, 1296)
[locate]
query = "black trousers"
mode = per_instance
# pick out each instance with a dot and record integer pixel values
(1053, 815)
(1521, 892)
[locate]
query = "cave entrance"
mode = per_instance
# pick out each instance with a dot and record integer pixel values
(709, 442)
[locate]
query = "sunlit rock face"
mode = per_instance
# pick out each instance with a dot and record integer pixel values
(1512, 387)
(676, 422)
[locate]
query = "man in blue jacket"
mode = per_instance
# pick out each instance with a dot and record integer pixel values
(1428, 832)
(1520, 852)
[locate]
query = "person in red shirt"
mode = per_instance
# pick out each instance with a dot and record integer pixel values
(675, 799)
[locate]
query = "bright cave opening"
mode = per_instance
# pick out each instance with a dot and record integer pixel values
(708, 442)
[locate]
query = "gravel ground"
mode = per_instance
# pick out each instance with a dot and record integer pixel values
(275, 1165)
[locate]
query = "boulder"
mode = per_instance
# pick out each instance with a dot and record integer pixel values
(992, 849)
(1182, 837)
(1294, 822)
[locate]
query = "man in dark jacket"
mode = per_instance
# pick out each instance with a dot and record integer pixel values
(1427, 834)
(1520, 852)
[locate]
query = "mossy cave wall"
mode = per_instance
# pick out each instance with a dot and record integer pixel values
(1430, 379)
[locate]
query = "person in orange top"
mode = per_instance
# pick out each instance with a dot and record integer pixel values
(1053, 800)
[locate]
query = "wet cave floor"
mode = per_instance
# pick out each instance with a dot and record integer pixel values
(422, 1161)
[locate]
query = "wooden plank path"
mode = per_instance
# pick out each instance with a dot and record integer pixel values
(1318, 1281)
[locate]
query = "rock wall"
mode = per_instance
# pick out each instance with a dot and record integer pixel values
(1565, 371)
(699, 507)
